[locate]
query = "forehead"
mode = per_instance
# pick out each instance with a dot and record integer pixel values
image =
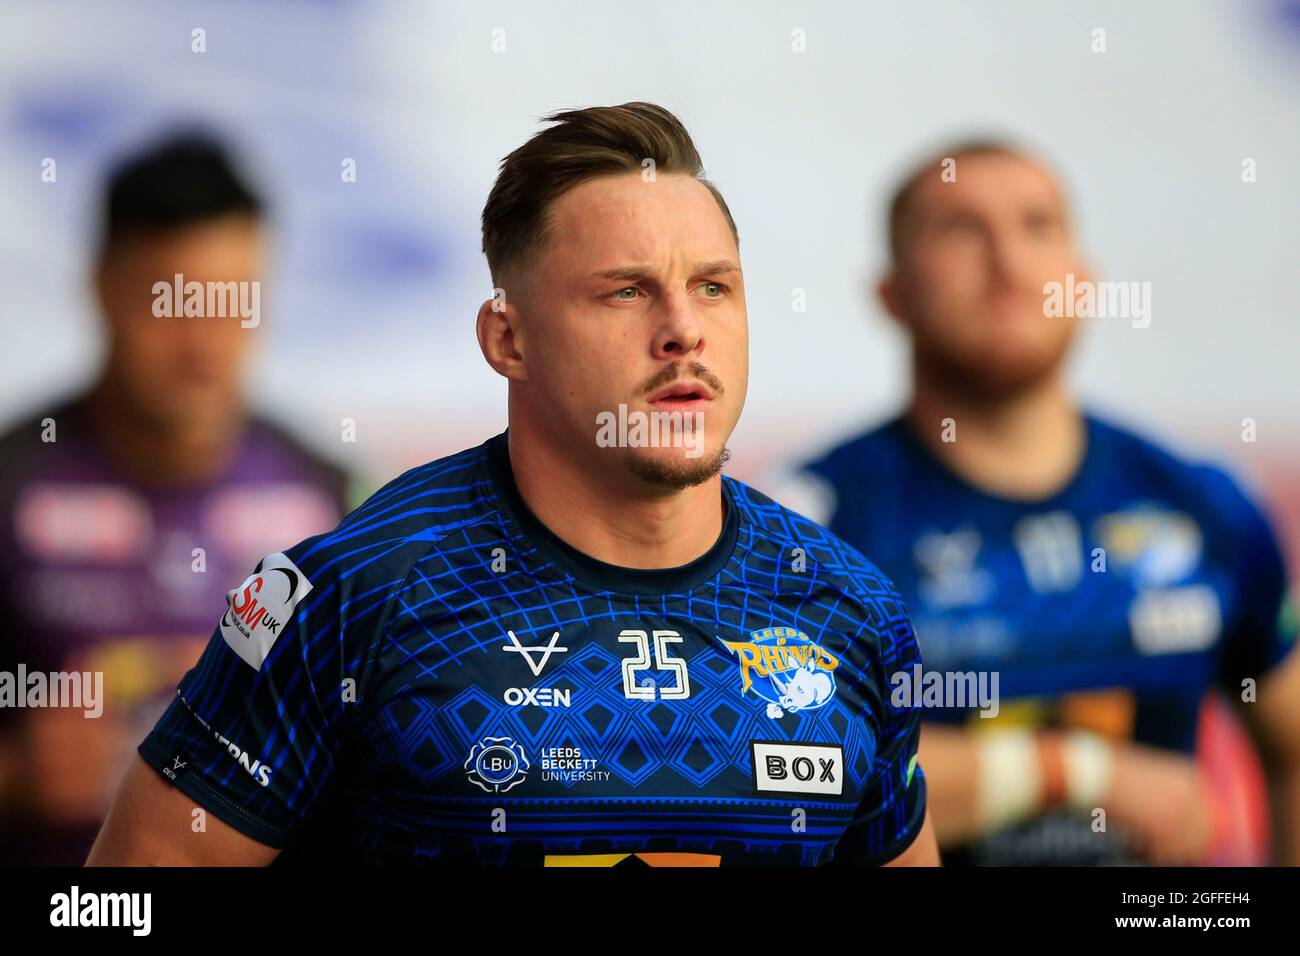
(989, 182)
(623, 217)
(224, 244)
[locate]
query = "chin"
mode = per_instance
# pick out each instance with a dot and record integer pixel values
(1003, 376)
(674, 468)
(1003, 368)
(185, 410)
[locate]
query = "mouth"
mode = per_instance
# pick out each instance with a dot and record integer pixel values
(682, 397)
(1010, 301)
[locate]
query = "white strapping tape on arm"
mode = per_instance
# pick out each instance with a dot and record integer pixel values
(1089, 765)
(1009, 775)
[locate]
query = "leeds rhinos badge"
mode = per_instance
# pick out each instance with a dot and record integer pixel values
(786, 669)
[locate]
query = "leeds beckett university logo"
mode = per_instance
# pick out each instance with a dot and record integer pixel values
(496, 764)
(260, 607)
(786, 669)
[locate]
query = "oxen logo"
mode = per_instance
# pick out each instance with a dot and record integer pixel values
(786, 669)
(259, 608)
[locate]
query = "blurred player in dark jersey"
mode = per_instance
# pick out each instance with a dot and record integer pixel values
(128, 508)
(1109, 584)
(578, 643)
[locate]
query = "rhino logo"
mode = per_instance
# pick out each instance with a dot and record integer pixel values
(786, 669)
(808, 687)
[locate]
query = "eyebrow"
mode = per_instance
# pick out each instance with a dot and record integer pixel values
(1053, 204)
(635, 273)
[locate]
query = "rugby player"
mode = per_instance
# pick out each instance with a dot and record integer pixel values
(130, 503)
(1108, 583)
(572, 644)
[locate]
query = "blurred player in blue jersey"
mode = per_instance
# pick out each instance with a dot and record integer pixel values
(578, 643)
(1107, 583)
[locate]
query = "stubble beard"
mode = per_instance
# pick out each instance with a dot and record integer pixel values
(675, 475)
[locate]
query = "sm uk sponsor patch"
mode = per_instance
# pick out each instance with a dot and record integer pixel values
(260, 607)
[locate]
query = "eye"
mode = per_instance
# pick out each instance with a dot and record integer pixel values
(622, 293)
(962, 225)
(713, 290)
(1041, 224)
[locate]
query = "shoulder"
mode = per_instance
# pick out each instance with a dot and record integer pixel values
(372, 550)
(874, 449)
(273, 442)
(26, 441)
(828, 584)
(791, 536)
(817, 487)
(1208, 491)
(342, 589)
(26, 432)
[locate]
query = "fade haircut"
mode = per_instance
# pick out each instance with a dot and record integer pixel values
(582, 144)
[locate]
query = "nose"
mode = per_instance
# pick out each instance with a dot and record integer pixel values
(1006, 256)
(679, 333)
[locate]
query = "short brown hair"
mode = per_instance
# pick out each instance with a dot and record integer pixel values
(900, 203)
(583, 144)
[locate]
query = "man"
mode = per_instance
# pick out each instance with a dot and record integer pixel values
(1107, 584)
(127, 507)
(569, 645)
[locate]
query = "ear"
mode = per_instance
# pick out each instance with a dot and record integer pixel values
(101, 281)
(1083, 271)
(889, 291)
(500, 337)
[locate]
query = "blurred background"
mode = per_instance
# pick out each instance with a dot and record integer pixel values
(805, 114)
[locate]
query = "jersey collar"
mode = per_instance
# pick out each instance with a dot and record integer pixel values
(596, 574)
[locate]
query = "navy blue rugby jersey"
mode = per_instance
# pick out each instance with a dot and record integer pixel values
(458, 685)
(1111, 606)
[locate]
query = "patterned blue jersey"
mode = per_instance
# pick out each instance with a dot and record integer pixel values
(1111, 606)
(458, 685)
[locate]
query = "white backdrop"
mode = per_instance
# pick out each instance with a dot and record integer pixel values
(370, 311)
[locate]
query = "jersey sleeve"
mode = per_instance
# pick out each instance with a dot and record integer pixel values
(255, 730)
(1263, 632)
(892, 809)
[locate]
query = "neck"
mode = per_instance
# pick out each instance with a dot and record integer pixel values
(157, 454)
(622, 522)
(1027, 446)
